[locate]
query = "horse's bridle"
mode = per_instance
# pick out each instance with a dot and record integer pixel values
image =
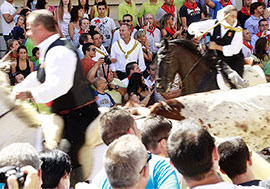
(10, 110)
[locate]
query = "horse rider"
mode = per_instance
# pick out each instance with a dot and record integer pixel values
(60, 79)
(225, 43)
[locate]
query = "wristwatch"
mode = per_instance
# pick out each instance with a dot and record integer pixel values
(116, 87)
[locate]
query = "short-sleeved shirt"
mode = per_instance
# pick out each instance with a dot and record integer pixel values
(190, 15)
(125, 8)
(147, 7)
(105, 25)
(178, 3)
(7, 8)
(104, 100)
(87, 65)
(218, 6)
(116, 96)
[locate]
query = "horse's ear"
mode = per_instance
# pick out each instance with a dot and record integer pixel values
(166, 42)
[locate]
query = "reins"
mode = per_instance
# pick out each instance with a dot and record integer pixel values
(10, 110)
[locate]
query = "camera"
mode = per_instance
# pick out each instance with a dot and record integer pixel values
(107, 60)
(7, 171)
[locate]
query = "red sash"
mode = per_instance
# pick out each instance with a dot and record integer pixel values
(245, 11)
(151, 31)
(248, 45)
(170, 30)
(222, 3)
(132, 28)
(189, 6)
(170, 10)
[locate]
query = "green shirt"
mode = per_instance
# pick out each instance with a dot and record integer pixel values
(147, 7)
(125, 8)
(178, 3)
(29, 44)
(116, 96)
(267, 68)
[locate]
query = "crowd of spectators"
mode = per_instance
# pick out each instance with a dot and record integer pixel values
(119, 65)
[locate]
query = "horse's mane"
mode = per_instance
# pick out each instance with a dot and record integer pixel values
(187, 44)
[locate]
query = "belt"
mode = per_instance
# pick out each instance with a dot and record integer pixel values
(63, 112)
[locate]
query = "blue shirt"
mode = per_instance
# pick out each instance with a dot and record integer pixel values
(161, 175)
(252, 24)
(104, 100)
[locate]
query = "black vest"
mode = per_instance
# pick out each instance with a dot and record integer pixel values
(80, 93)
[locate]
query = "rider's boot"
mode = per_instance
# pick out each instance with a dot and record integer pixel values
(231, 76)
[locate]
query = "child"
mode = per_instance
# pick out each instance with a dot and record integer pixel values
(103, 99)
(18, 32)
(35, 53)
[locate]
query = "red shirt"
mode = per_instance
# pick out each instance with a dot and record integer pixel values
(87, 65)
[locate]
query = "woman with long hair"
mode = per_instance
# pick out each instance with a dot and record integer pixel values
(85, 6)
(63, 17)
(76, 14)
(261, 56)
(23, 65)
(166, 26)
(138, 91)
(44, 4)
(94, 13)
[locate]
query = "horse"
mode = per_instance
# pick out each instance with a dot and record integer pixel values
(198, 73)
(20, 122)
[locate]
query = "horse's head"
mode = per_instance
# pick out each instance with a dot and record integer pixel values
(165, 72)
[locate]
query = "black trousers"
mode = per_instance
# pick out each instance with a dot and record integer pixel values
(76, 123)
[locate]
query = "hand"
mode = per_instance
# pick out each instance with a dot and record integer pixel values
(212, 45)
(264, 34)
(19, 10)
(19, 78)
(100, 61)
(32, 179)
(113, 60)
(112, 86)
(24, 95)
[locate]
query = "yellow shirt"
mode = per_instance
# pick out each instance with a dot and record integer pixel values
(125, 8)
(116, 96)
(147, 7)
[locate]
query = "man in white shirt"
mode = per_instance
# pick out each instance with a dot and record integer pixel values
(8, 12)
(247, 47)
(153, 34)
(105, 24)
(100, 50)
(60, 81)
(127, 18)
(126, 50)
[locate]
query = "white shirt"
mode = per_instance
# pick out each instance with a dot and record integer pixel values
(60, 66)
(135, 56)
(116, 35)
(223, 185)
(246, 51)
(126, 82)
(105, 25)
(7, 8)
(228, 50)
(98, 54)
(148, 82)
(153, 40)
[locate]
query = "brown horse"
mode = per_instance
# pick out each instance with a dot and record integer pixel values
(182, 56)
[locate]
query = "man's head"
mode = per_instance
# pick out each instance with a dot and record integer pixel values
(192, 151)
(148, 18)
(246, 35)
(89, 50)
(256, 8)
(55, 168)
(152, 70)
(100, 84)
(132, 67)
(234, 155)
(115, 123)
(155, 131)
(85, 38)
(101, 8)
(40, 25)
(247, 3)
(84, 24)
(168, 2)
(97, 38)
(35, 53)
(125, 163)
(19, 155)
(263, 25)
(128, 19)
(125, 31)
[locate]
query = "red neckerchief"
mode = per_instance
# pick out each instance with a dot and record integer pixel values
(245, 11)
(12, 55)
(170, 30)
(132, 28)
(189, 6)
(169, 10)
(222, 3)
(97, 21)
(151, 31)
(259, 34)
(80, 32)
(129, 77)
(248, 45)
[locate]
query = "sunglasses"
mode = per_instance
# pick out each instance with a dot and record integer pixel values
(126, 20)
(149, 156)
(93, 49)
